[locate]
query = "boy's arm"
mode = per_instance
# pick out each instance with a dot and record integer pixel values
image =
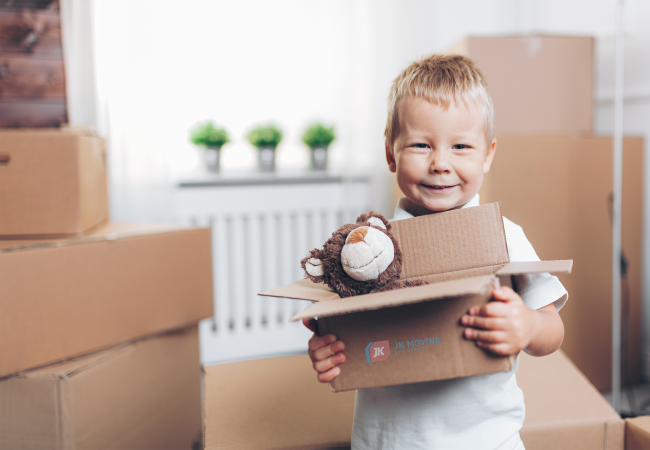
(506, 326)
(326, 353)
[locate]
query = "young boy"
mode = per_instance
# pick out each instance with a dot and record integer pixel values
(439, 143)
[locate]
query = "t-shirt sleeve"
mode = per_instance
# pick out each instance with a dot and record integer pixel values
(538, 289)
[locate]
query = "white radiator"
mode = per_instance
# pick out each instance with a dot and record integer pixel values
(259, 235)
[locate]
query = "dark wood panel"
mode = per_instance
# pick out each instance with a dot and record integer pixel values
(31, 32)
(28, 78)
(31, 4)
(35, 114)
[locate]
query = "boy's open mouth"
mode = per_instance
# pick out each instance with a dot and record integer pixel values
(438, 187)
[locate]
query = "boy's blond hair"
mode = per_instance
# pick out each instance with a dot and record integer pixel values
(442, 80)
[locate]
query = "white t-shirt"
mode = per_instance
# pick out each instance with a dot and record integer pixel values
(481, 412)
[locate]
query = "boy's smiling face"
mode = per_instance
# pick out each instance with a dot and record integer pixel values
(439, 155)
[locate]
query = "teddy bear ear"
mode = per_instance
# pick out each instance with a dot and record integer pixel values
(313, 266)
(375, 219)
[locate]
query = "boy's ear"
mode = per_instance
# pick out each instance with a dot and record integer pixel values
(489, 157)
(390, 157)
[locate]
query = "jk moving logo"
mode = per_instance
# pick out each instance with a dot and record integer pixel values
(377, 351)
(380, 351)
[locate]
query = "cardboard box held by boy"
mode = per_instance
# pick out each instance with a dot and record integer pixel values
(414, 334)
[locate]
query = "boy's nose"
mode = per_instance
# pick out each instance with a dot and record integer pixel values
(440, 163)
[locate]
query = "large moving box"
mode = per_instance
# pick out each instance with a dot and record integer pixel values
(540, 84)
(414, 334)
(558, 189)
(141, 396)
(278, 403)
(62, 298)
(637, 433)
(52, 182)
(274, 403)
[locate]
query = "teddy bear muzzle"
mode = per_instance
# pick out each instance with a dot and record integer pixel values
(367, 253)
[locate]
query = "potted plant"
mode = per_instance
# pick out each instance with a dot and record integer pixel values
(212, 138)
(318, 138)
(266, 139)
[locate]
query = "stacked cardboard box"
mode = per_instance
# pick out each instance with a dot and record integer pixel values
(98, 338)
(271, 404)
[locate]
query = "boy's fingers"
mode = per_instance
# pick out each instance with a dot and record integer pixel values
(329, 375)
(311, 324)
(492, 309)
(504, 294)
(487, 323)
(326, 364)
(327, 351)
(498, 349)
(316, 342)
(484, 335)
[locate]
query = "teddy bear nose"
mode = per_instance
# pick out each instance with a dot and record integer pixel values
(357, 235)
(367, 253)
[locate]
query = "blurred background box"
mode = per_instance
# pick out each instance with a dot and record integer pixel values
(539, 84)
(557, 188)
(146, 395)
(63, 298)
(270, 404)
(637, 433)
(564, 411)
(52, 182)
(273, 403)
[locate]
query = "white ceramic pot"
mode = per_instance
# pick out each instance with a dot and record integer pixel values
(266, 159)
(212, 156)
(319, 158)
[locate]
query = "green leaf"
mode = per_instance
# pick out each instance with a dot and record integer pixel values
(318, 136)
(209, 135)
(265, 136)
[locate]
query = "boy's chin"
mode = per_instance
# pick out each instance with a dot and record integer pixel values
(439, 204)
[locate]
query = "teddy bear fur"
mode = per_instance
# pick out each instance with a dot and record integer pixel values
(335, 276)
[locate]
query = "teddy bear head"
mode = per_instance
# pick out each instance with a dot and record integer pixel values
(358, 259)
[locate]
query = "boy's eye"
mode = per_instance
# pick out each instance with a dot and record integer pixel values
(460, 146)
(420, 145)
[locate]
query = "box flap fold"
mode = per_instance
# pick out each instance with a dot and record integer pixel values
(445, 289)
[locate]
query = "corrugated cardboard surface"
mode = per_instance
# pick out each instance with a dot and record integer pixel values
(432, 344)
(54, 182)
(64, 298)
(538, 83)
(557, 189)
(637, 435)
(453, 241)
(141, 396)
(273, 403)
(277, 403)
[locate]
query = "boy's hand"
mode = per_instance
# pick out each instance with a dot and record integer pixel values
(325, 352)
(506, 325)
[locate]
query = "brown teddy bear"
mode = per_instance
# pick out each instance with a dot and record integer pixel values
(360, 258)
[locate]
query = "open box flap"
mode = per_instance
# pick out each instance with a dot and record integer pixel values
(452, 241)
(519, 268)
(303, 290)
(446, 289)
